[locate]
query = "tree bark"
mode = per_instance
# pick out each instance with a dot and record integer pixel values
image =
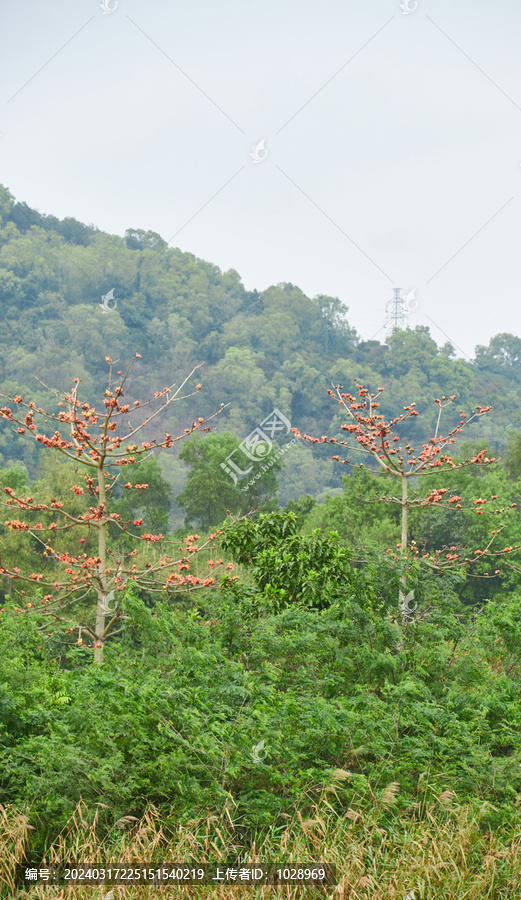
(403, 550)
(102, 565)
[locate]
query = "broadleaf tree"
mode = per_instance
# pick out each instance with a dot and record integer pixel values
(210, 492)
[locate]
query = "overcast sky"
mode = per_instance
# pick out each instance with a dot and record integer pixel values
(393, 142)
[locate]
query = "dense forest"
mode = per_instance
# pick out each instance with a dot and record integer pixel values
(267, 689)
(261, 350)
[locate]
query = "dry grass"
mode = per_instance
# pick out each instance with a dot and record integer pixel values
(434, 851)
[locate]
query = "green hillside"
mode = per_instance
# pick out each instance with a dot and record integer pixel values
(261, 350)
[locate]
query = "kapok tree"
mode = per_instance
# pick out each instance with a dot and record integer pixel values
(101, 444)
(377, 438)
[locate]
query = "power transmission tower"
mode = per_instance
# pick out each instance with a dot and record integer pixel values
(395, 316)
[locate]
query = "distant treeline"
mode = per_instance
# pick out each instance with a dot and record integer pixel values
(262, 350)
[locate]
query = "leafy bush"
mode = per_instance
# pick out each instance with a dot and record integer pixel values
(260, 701)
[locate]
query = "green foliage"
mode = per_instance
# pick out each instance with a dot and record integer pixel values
(6, 205)
(497, 527)
(513, 455)
(15, 478)
(210, 492)
(72, 231)
(358, 515)
(503, 352)
(312, 571)
(137, 239)
(14, 546)
(152, 506)
(264, 350)
(301, 507)
(305, 655)
(178, 712)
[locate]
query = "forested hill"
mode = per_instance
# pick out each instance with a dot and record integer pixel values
(275, 348)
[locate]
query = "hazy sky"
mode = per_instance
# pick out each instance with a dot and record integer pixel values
(393, 142)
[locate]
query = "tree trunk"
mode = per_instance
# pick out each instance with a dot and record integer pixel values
(100, 627)
(403, 550)
(102, 586)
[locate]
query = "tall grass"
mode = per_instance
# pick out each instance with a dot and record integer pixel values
(437, 849)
